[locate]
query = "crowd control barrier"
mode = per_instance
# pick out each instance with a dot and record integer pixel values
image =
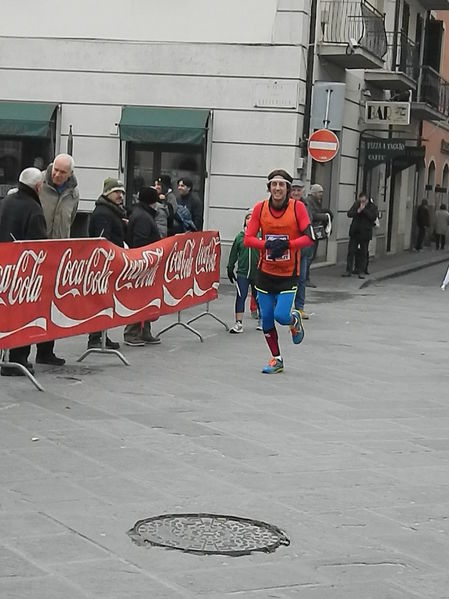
(60, 288)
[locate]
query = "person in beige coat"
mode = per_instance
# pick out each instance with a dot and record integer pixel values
(441, 226)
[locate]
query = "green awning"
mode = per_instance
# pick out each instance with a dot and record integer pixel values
(30, 119)
(142, 124)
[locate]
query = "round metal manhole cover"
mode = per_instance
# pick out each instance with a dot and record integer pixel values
(208, 534)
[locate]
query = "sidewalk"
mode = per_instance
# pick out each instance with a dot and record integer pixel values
(387, 267)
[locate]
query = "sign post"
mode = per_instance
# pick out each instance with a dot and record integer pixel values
(323, 145)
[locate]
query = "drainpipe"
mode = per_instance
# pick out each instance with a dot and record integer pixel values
(309, 78)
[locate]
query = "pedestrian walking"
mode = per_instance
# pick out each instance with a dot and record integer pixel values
(422, 223)
(321, 220)
(108, 220)
(441, 226)
(246, 260)
(285, 229)
(142, 230)
(59, 197)
(363, 213)
(22, 219)
(297, 193)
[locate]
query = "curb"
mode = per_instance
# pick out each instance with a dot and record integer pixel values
(404, 270)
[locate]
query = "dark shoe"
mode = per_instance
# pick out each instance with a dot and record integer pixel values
(50, 359)
(16, 371)
(94, 344)
(361, 276)
(151, 340)
(366, 272)
(111, 344)
(133, 340)
(347, 274)
(309, 284)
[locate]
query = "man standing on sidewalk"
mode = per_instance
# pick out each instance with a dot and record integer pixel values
(59, 197)
(22, 219)
(363, 213)
(285, 229)
(422, 222)
(320, 218)
(108, 220)
(297, 193)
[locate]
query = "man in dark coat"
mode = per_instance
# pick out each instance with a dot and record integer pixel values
(422, 222)
(319, 216)
(142, 230)
(363, 214)
(108, 220)
(188, 199)
(22, 219)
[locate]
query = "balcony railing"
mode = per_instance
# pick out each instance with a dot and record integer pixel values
(407, 59)
(434, 90)
(347, 20)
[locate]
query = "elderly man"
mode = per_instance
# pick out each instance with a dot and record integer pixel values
(59, 198)
(285, 229)
(297, 193)
(319, 217)
(108, 220)
(22, 219)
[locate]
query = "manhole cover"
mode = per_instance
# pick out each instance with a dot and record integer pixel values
(208, 534)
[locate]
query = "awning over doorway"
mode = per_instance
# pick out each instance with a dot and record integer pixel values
(143, 124)
(30, 119)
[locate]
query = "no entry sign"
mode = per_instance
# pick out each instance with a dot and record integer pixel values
(323, 145)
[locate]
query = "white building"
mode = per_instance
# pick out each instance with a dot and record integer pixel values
(211, 90)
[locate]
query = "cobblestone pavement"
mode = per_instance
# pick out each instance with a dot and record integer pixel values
(347, 452)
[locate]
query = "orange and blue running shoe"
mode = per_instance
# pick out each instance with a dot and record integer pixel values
(274, 366)
(296, 329)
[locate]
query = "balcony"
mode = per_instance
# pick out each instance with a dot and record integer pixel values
(400, 72)
(353, 34)
(431, 100)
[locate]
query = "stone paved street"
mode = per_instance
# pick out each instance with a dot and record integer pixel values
(347, 452)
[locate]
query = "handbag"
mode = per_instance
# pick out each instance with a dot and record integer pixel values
(320, 232)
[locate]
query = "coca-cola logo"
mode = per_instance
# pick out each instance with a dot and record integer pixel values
(21, 282)
(206, 259)
(139, 272)
(179, 262)
(86, 276)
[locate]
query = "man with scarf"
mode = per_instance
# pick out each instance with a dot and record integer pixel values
(108, 220)
(285, 229)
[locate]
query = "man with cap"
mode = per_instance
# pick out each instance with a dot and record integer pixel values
(142, 230)
(108, 220)
(297, 193)
(285, 229)
(319, 216)
(22, 219)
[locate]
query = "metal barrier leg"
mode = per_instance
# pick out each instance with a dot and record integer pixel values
(207, 312)
(179, 323)
(22, 368)
(103, 350)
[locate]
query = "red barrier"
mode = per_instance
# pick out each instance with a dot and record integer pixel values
(60, 288)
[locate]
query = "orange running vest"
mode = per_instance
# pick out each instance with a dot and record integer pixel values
(284, 226)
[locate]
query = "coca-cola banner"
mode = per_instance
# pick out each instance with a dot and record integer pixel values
(59, 288)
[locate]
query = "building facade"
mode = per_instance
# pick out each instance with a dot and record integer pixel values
(219, 92)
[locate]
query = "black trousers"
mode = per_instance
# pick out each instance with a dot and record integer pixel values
(312, 258)
(420, 238)
(46, 348)
(20, 354)
(440, 239)
(357, 253)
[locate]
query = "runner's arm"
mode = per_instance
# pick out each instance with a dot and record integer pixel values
(251, 240)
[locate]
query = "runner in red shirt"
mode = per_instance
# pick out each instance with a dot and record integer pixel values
(285, 229)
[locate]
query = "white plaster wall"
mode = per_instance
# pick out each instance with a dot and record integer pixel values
(233, 21)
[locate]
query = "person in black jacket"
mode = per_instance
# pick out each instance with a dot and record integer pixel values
(188, 199)
(363, 214)
(108, 220)
(142, 230)
(422, 222)
(22, 219)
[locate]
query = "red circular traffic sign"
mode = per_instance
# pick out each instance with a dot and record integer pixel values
(323, 145)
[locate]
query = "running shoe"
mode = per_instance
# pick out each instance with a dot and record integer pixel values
(237, 328)
(259, 326)
(296, 329)
(274, 366)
